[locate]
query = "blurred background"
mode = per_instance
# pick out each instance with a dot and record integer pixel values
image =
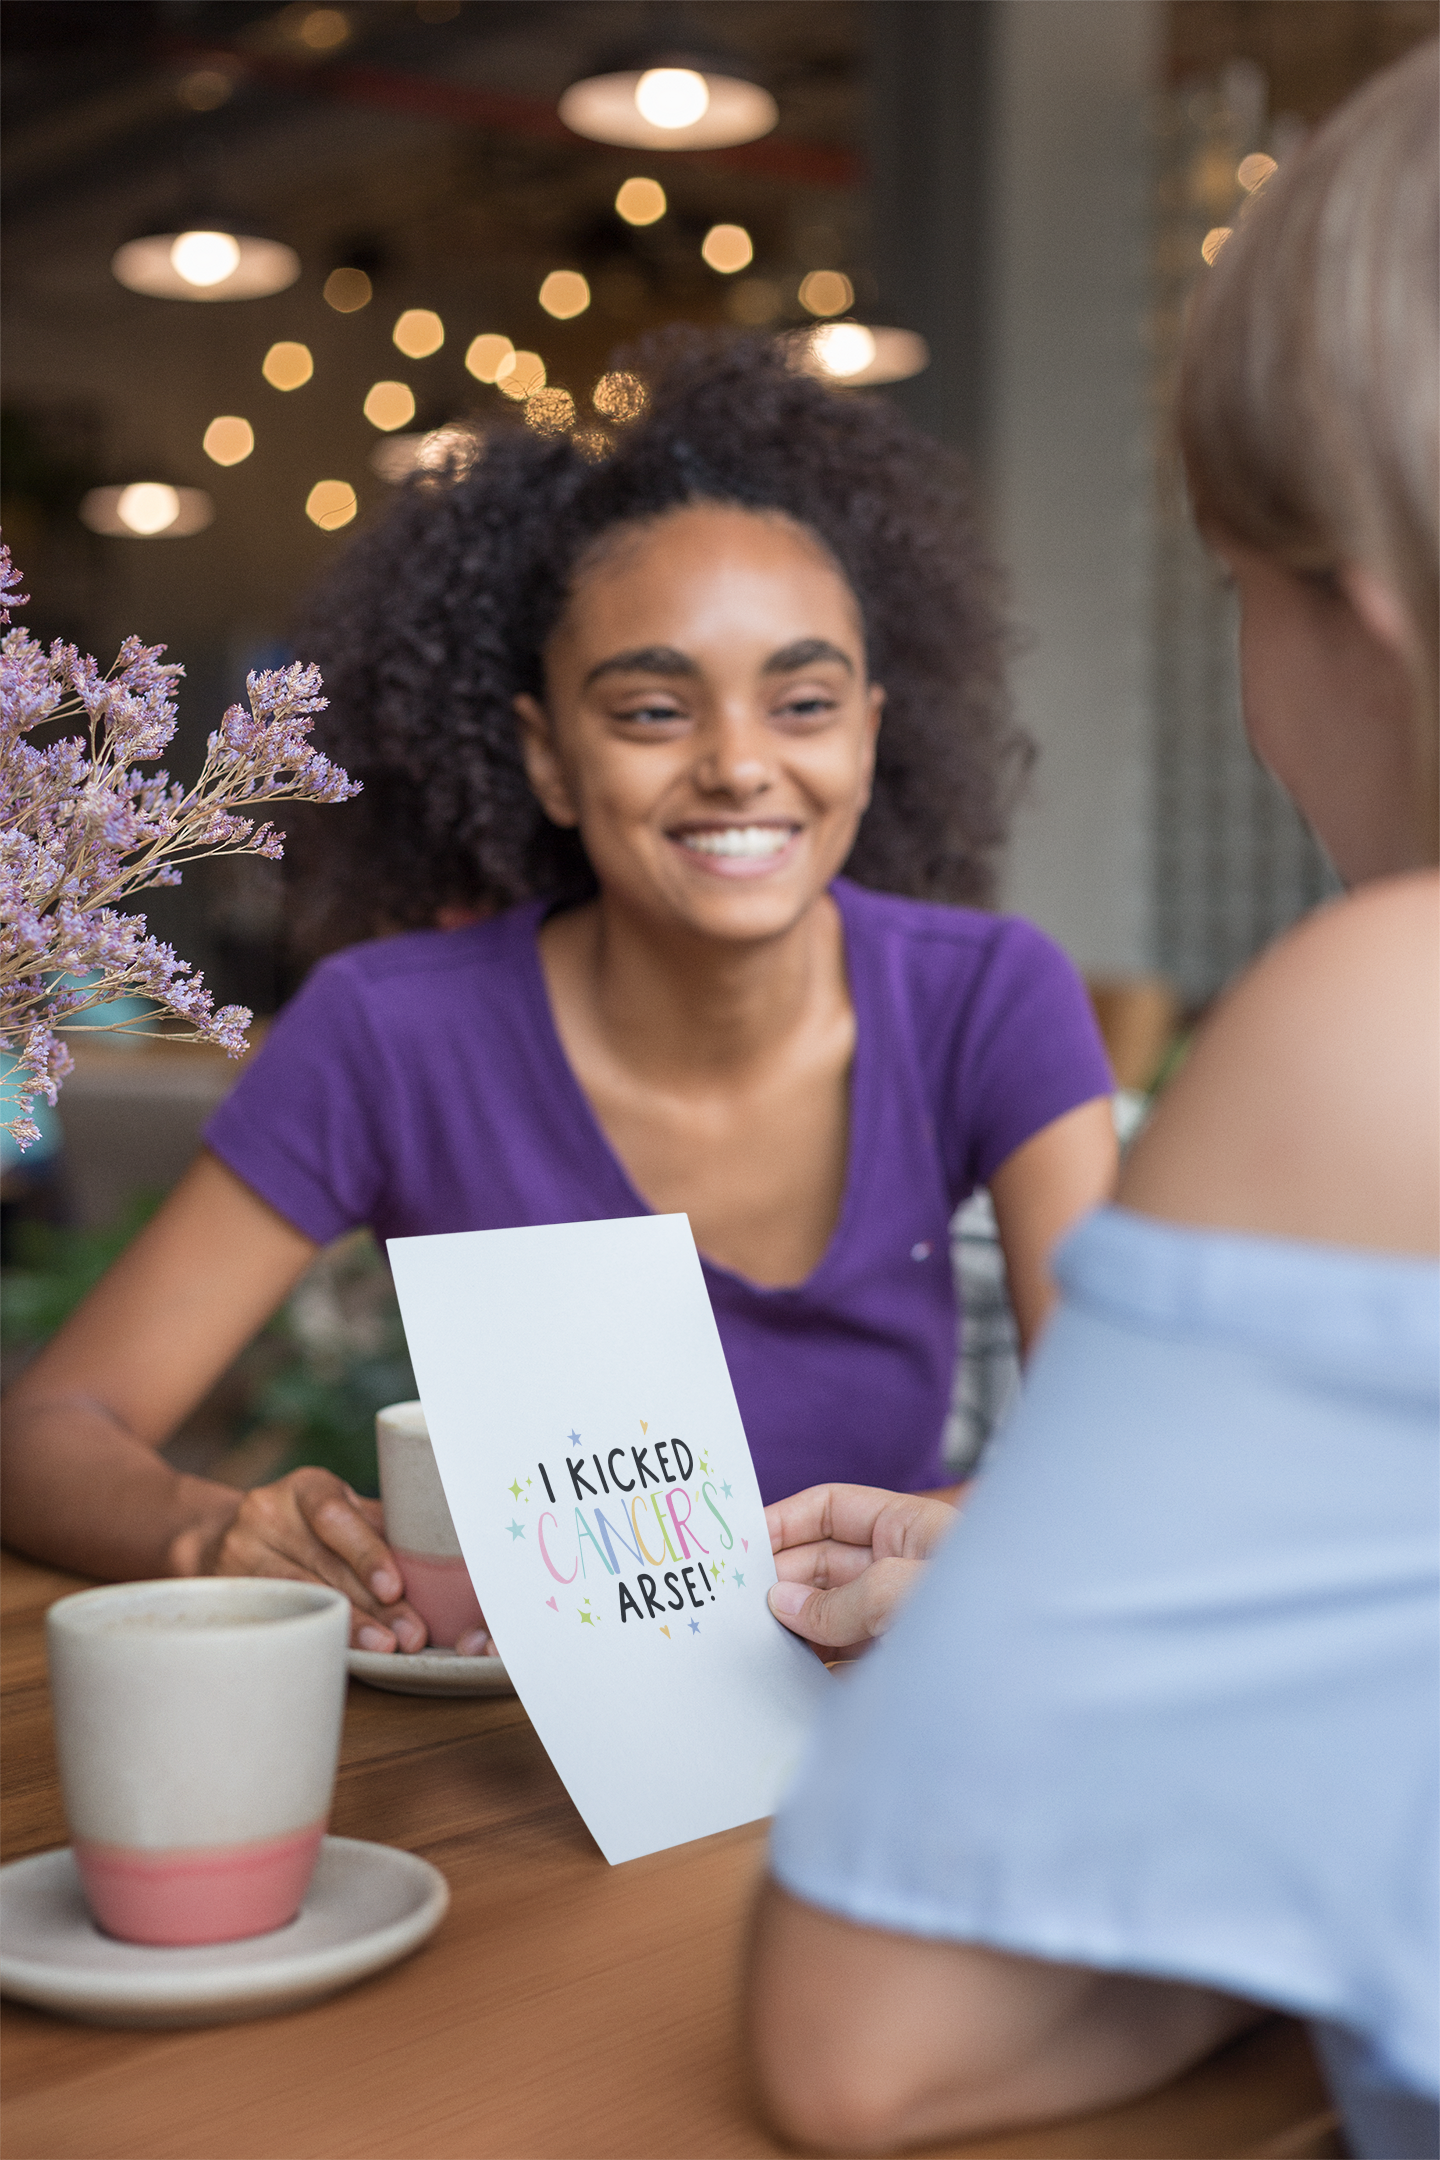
(990, 211)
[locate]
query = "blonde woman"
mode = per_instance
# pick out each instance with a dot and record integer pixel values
(1154, 1743)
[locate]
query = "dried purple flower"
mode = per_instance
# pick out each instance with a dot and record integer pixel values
(82, 830)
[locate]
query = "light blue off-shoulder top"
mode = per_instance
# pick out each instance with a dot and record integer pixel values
(1168, 1701)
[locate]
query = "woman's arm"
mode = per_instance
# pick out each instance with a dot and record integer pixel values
(1040, 1191)
(865, 2041)
(82, 1482)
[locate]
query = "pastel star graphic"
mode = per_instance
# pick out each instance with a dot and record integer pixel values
(573, 1438)
(517, 1529)
(714, 1572)
(587, 1619)
(739, 1580)
(694, 1627)
(515, 1488)
(727, 1492)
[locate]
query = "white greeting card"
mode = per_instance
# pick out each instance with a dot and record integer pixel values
(597, 1471)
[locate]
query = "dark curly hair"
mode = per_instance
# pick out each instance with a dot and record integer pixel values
(436, 618)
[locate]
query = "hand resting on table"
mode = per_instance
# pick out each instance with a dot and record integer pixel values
(848, 1556)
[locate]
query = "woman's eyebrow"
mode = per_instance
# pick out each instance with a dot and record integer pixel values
(805, 652)
(645, 660)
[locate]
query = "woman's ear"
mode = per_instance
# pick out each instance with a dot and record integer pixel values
(1381, 610)
(875, 712)
(543, 768)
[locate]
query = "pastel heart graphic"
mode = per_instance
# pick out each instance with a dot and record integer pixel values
(643, 1426)
(552, 1604)
(746, 1543)
(665, 1631)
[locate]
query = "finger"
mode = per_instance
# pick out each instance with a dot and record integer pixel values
(824, 1565)
(334, 1516)
(475, 1643)
(846, 1513)
(852, 1613)
(271, 1536)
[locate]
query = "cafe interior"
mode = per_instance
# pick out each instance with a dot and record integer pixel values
(266, 267)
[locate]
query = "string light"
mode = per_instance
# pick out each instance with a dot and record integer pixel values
(147, 510)
(389, 405)
(826, 292)
(487, 354)
(418, 333)
(564, 294)
(641, 202)
(1214, 240)
(286, 366)
(331, 504)
(347, 289)
(520, 375)
(728, 248)
(228, 440)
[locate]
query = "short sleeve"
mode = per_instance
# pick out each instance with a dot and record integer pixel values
(300, 1126)
(1165, 1702)
(1029, 1051)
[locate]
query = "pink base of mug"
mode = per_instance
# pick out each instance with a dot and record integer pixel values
(198, 1893)
(442, 1593)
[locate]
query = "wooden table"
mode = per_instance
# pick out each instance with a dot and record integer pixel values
(564, 2007)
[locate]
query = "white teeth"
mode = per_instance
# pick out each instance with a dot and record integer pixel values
(739, 840)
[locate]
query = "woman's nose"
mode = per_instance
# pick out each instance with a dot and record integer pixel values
(733, 760)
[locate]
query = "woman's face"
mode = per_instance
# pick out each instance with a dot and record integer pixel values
(1330, 708)
(708, 722)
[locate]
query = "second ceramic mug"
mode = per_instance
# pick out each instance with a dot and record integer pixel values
(197, 1724)
(418, 1528)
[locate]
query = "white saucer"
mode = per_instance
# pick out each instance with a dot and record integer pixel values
(367, 1906)
(430, 1672)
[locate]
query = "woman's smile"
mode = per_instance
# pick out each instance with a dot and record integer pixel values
(735, 850)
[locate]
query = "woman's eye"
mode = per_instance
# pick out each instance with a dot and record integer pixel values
(651, 715)
(807, 708)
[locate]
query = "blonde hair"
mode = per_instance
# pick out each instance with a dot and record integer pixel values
(1308, 387)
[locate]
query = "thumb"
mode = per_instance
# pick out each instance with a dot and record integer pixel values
(851, 1613)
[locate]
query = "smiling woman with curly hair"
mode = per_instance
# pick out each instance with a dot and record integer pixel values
(625, 709)
(436, 620)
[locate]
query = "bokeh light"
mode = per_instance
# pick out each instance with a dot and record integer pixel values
(1252, 172)
(564, 294)
(521, 374)
(331, 504)
(1214, 240)
(843, 348)
(228, 439)
(286, 366)
(593, 443)
(486, 355)
(347, 289)
(389, 405)
(418, 333)
(323, 29)
(754, 301)
(619, 397)
(550, 411)
(204, 258)
(728, 248)
(672, 97)
(148, 506)
(641, 202)
(826, 292)
(206, 88)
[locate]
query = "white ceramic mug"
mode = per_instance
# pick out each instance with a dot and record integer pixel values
(197, 1724)
(418, 1528)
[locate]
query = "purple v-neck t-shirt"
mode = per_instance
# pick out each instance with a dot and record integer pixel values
(418, 1084)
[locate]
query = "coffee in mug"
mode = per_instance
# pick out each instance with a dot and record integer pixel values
(197, 1723)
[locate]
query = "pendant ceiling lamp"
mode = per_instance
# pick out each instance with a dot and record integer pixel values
(669, 100)
(205, 258)
(855, 353)
(147, 510)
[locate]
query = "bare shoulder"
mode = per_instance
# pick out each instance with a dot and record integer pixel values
(1310, 1105)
